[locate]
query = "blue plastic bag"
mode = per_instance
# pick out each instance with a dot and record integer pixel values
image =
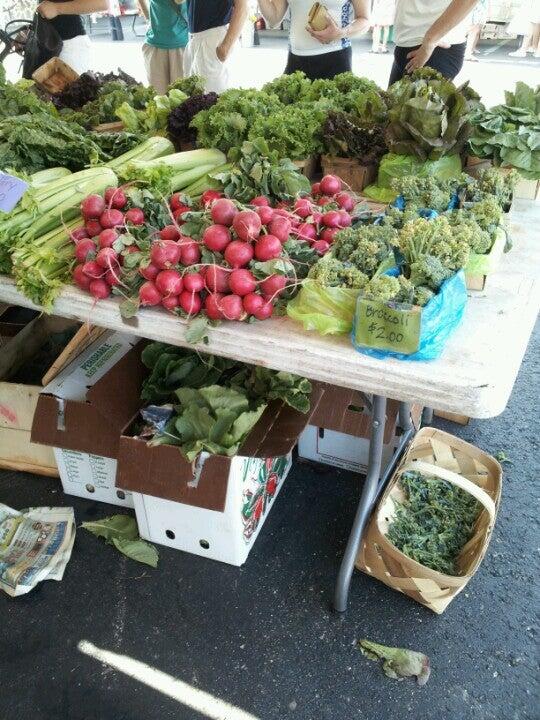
(439, 318)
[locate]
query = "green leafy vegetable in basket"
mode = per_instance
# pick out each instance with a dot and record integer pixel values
(193, 85)
(293, 132)
(428, 116)
(345, 135)
(290, 89)
(434, 522)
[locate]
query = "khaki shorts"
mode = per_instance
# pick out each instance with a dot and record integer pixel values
(163, 67)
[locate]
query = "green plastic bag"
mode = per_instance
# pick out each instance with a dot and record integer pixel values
(398, 166)
(328, 310)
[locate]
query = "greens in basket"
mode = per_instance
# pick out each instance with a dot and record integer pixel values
(434, 522)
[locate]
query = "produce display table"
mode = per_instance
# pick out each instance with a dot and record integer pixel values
(474, 376)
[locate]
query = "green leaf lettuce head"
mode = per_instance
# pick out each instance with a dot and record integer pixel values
(290, 89)
(428, 116)
(294, 132)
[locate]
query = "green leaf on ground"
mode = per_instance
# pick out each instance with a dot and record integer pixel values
(121, 531)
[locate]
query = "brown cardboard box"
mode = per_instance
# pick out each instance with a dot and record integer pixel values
(163, 472)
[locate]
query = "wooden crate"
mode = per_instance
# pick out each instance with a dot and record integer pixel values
(18, 400)
(307, 167)
(54, 76)
(353, 174)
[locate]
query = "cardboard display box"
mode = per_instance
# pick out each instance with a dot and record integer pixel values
(22, 335)
(217, 507)
(81, 414)
(340, 428)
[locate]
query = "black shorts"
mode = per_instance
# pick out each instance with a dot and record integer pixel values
(448, 61)
(323, 67)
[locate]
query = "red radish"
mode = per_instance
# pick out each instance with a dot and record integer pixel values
(169, 282)
(150, 272)
(111, 218)
(92, 207)
(93, 228)
(115, 198)
(281, 228)
(329, 235)
(302, 208)
(177, 215)
(216, 238)
(247, 225)
(306, 231)
(316, 217)
(345, 201)
(283, 205)
(283, 212)
(223, 211)
(321, 246)
(274, 285)
(80, 279)
(107, 258)
(216, 279)
(265, 311)
(190, 254)
(78, 234)
(260, 201)
(171, 302)
(177, 203)
(164, 254)
(85, 249)
(92, 270)
(149, 294)
(330, 185)
(208, 197)
(190, 302)
(100, 289)
(212, 306)
(169, 232)
(252, 303)
(231, 307)
(112, 277)
(324, 200)
(107, 238)
(242, 282)
(135, 216)
(193, 282)
(332, 219)
(267, 247)
(346, 220)
(316, 188)
(238, 254)
(265, 213)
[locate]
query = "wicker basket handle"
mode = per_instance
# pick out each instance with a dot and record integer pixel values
(455, 479)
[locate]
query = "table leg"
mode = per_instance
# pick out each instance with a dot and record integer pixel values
(367, 498)
(427, 416)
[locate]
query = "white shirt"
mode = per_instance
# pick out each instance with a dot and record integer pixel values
(415, 17)
(301, 42)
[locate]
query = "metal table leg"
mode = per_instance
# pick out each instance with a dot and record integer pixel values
(369, 493)
(376, 479)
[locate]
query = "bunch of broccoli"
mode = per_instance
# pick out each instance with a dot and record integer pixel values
(398, 218)
(487, 213)
(365, 246)
(396, 289)
(428, 192)
(432, 251)
(467, 228)
(336, 273)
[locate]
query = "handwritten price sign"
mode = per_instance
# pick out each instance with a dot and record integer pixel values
(384, 327)
(11, 191)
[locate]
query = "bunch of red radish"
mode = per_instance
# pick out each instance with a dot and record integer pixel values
(237, 237)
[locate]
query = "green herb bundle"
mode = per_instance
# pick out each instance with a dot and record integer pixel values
(434, 522)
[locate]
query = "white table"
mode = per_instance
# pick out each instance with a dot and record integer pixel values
(474, 376)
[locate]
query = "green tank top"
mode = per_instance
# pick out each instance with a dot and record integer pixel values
(168, 29)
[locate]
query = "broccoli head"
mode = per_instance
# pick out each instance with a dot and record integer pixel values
(422, 295)
(433, 237)
(423, 192)
(406, 290)
(366, 246)
(334, 273)
(382, 287)
(429, 271)
(468, 230)
(500, 185)
(487, 213)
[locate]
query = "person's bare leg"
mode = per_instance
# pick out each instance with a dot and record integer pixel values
(376, 38)
(472, 39)
(385, 34)
(535, 40)
(522, 50)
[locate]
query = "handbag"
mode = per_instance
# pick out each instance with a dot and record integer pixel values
(42, 44)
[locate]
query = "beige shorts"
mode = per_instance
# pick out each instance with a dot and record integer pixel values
(200, 59)
(163, 67)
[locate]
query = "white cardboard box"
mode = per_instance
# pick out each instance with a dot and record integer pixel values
(227, 536)
(84, 474)
(338, 449)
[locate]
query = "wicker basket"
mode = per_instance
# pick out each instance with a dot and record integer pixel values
(307, 167)
(356, 176)
(54, 75)
(440, 454)
(109, 127)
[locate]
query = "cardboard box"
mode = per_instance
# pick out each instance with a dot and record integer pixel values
(340, 428)
(81, 414)
(217, 508)
(22, 335)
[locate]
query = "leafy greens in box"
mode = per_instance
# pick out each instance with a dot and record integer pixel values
(509, 134)
(428, 115)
